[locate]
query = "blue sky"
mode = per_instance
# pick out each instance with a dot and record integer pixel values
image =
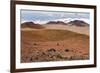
(33, 15)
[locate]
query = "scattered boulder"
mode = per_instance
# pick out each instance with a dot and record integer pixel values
(51, 50)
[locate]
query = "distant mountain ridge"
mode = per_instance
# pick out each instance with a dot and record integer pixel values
(78, 23)
(31, 25)
(56, 22)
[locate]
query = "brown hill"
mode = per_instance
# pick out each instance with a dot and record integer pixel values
(78, 23)
(31, 25)
(50, 35)
(56, 22)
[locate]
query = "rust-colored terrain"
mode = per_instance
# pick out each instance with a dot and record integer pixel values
(44, 44)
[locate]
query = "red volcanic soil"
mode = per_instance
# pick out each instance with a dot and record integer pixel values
(53, 45)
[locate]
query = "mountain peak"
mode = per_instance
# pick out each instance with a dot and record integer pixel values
(56, 22)
(31, 25)
(78, 23)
